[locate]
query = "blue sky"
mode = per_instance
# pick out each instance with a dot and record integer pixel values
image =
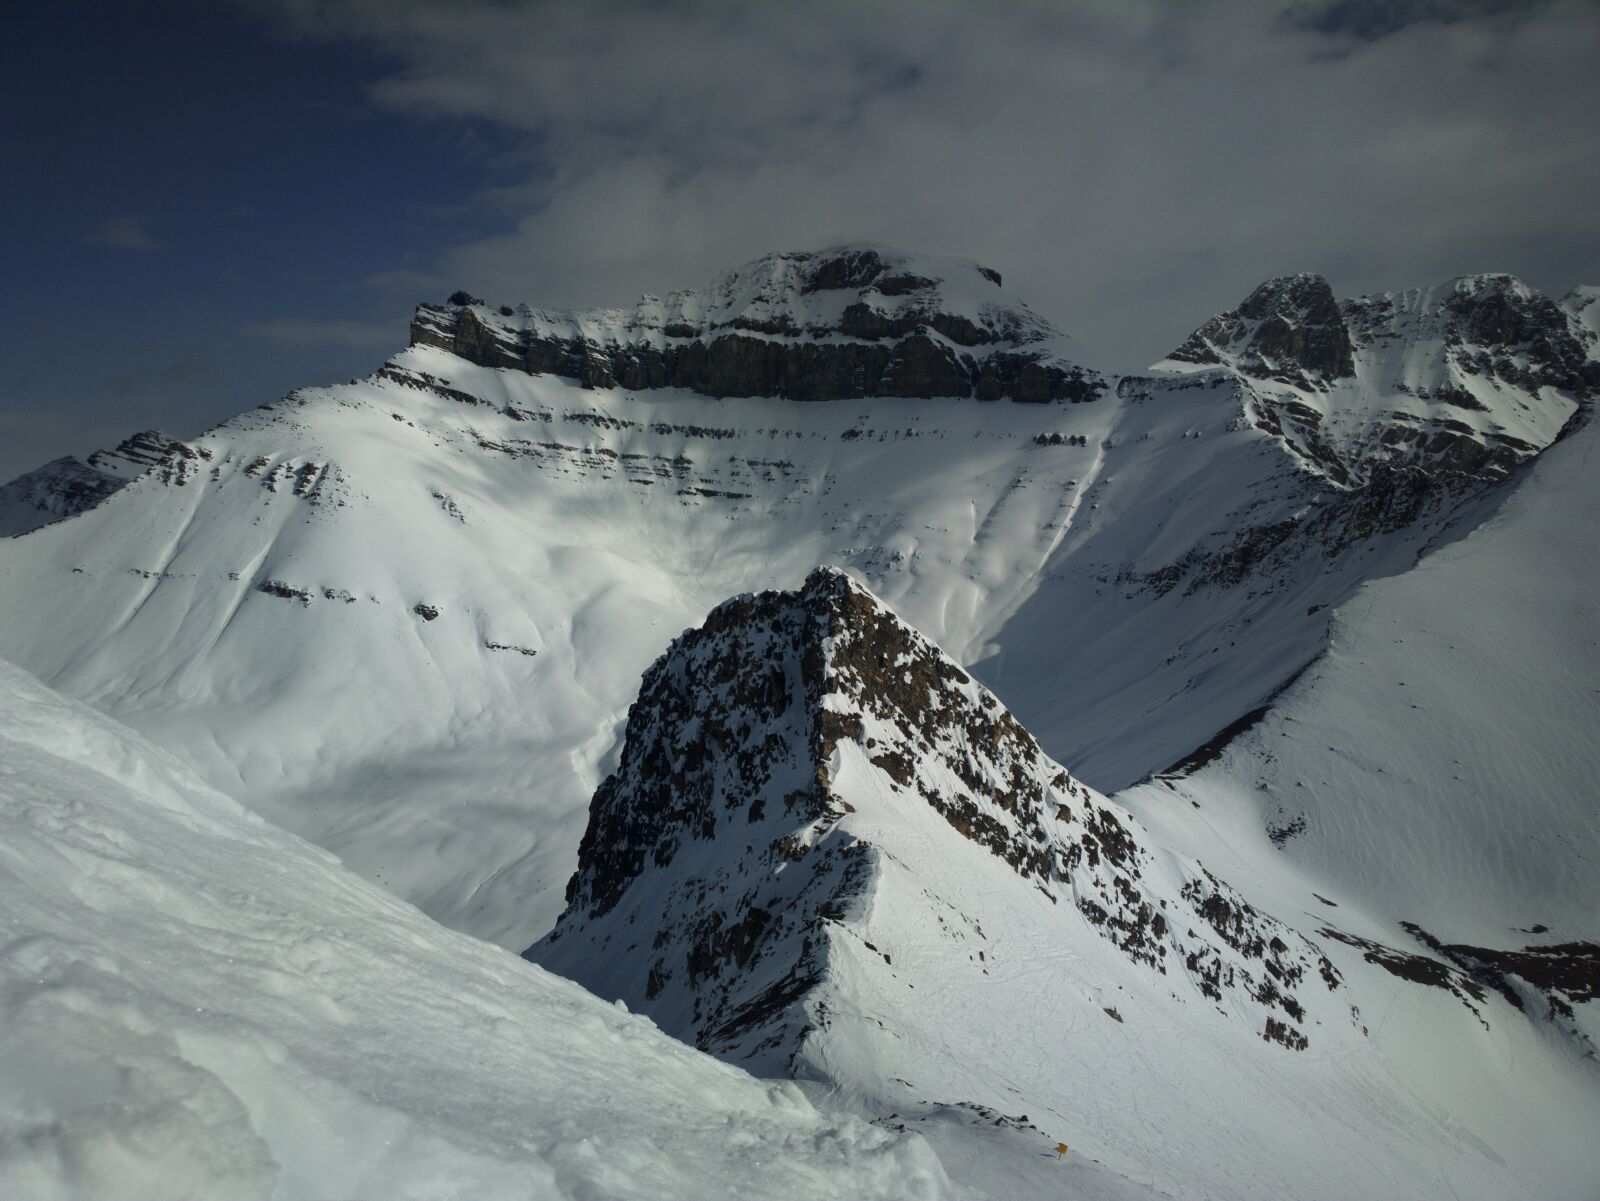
(210, 202)
(207, 214)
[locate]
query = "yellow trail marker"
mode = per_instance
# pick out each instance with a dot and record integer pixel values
(1061, 1149)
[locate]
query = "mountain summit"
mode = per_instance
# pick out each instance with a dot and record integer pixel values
(828, 852)
(800, 746)
(1473, 377)
(847, 322)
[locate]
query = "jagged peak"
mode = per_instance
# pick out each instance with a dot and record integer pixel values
(1301, 290)
(134, 454)
(1583, 305)
(1481, 282)
(782, 752)
(1290, 328)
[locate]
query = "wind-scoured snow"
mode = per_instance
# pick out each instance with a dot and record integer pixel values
(195, 1004)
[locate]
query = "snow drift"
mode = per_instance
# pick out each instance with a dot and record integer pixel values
(194, 1004)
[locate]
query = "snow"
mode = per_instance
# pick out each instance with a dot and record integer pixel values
(1583, 302)
(59, 489)
(198, 1005)
(1443, 751)
(588, 526)
(404, 618)
(961, 996)
(770, 294)
(466, 788)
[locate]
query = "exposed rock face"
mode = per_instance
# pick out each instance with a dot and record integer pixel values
(1491, 326)
(1289, 329)
(852, 322)
(737, 835)
(135, 454)
(1471, 378)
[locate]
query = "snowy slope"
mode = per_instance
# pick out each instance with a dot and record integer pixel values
(1302, 447)
(405, 617)
(827, 850)
(1449, 732)
(498, 574)
(1583, 302)
(193, 1004)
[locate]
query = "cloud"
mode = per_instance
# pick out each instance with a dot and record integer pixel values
(1131, 168)
(299, 331)
(126, 232)
(1372, 19)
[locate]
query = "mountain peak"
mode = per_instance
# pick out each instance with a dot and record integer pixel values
(784, 756)
(848, 321)
(133, 455)
(1288, 329)
(69, 485)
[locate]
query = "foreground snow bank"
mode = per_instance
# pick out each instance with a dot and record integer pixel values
(195, 1004)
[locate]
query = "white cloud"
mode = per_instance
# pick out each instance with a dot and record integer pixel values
(1130, 168)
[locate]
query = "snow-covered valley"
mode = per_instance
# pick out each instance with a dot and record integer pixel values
(1312, 605)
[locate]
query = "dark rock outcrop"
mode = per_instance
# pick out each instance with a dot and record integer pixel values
(721, 855)
(1288, 329)
(898, 336)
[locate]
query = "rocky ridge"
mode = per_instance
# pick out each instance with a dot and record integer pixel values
(744, 833)
(849, 322)
(1471, 378)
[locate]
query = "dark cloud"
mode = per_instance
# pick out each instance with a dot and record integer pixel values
(1372, 19)
(403, 283)
(126, 232)
(187, 370)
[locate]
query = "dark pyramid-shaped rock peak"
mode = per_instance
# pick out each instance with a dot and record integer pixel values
(68, 486)
(779, 755)
(1289, 328)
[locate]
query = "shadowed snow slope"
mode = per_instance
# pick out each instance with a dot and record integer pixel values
(828, 851)
(193, 1004)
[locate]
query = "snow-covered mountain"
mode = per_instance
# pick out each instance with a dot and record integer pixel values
(499, 555)
(195, 1004)
(69, 485)
(828, 851)
(1439, 759)
(837, 324)
(406, 618)
(1474, 376)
